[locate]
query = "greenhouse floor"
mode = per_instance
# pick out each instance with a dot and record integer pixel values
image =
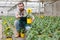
(1, 36)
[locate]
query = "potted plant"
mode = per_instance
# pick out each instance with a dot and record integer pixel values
(22, 33)
(29, 18)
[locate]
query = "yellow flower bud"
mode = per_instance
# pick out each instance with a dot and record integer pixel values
(10, 18)
(5, 22)
(41, 16)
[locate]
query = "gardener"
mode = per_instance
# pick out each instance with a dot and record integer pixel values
(21, 13)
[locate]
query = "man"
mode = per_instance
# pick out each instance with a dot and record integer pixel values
(21, 13)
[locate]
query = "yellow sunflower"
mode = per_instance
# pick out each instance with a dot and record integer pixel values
(9, 39)
(29, 10)
(7, 28)
(4, 22)
(10, 18)
(51, 16)
(41, 16)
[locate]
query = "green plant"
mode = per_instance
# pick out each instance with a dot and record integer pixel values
(44, 28)
(6, 26)
(8, 32)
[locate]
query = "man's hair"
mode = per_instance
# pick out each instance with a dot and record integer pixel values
(21, 3)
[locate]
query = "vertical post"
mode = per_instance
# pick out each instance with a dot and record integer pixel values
(39, 7)
(52, 9)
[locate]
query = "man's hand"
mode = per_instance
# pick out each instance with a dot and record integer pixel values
(32, 18)
(18, 16)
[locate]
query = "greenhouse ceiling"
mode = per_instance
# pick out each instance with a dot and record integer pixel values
(13, 2)
(24, 0)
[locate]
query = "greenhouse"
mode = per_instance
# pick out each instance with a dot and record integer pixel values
(29, 19)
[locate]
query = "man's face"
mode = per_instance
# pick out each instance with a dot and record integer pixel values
(21, 7)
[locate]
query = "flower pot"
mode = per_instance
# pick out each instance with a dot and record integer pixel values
(9, 39)
(22, 35)
(29, 20)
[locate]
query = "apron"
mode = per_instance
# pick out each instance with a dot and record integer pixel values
(23, 20)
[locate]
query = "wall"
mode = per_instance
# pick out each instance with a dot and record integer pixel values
(58, 8)
(52, 9)
(4, 9)
(48, 9)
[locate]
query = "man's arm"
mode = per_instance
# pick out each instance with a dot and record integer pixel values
(17, 15)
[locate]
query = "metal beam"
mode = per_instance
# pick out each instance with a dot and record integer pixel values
(12, 7)
(5, 6)
(15, 5)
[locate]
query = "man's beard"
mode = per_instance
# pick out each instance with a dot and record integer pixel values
(21, 10)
